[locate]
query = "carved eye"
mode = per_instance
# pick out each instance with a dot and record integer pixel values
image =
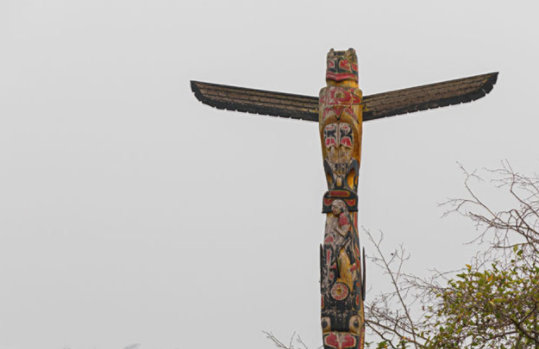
(326, 324)
(354, 324)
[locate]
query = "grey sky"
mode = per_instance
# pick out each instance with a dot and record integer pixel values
(131, 213)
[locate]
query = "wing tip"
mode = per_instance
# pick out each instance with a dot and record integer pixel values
(196, 90)
(200, 96)
(491, 81)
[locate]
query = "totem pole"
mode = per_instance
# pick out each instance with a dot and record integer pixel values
(340, 111)
(341, 281)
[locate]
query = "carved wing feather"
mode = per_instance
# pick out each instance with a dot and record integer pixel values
(375, 106)
(257, 101)
(425, 97)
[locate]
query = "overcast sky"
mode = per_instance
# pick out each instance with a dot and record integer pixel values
(131, 213)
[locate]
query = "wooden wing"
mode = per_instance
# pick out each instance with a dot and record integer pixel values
(257, 101)
(376, 106)
(425, 97)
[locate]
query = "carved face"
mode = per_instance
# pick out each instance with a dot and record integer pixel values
(335, 208)
(341, 65)
(339, 144)
(338, 207)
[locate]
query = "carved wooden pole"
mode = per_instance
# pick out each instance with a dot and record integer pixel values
(342, 282)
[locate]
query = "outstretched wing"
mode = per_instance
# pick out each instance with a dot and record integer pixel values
(257, 101)
(375, 106)
(425, 97)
